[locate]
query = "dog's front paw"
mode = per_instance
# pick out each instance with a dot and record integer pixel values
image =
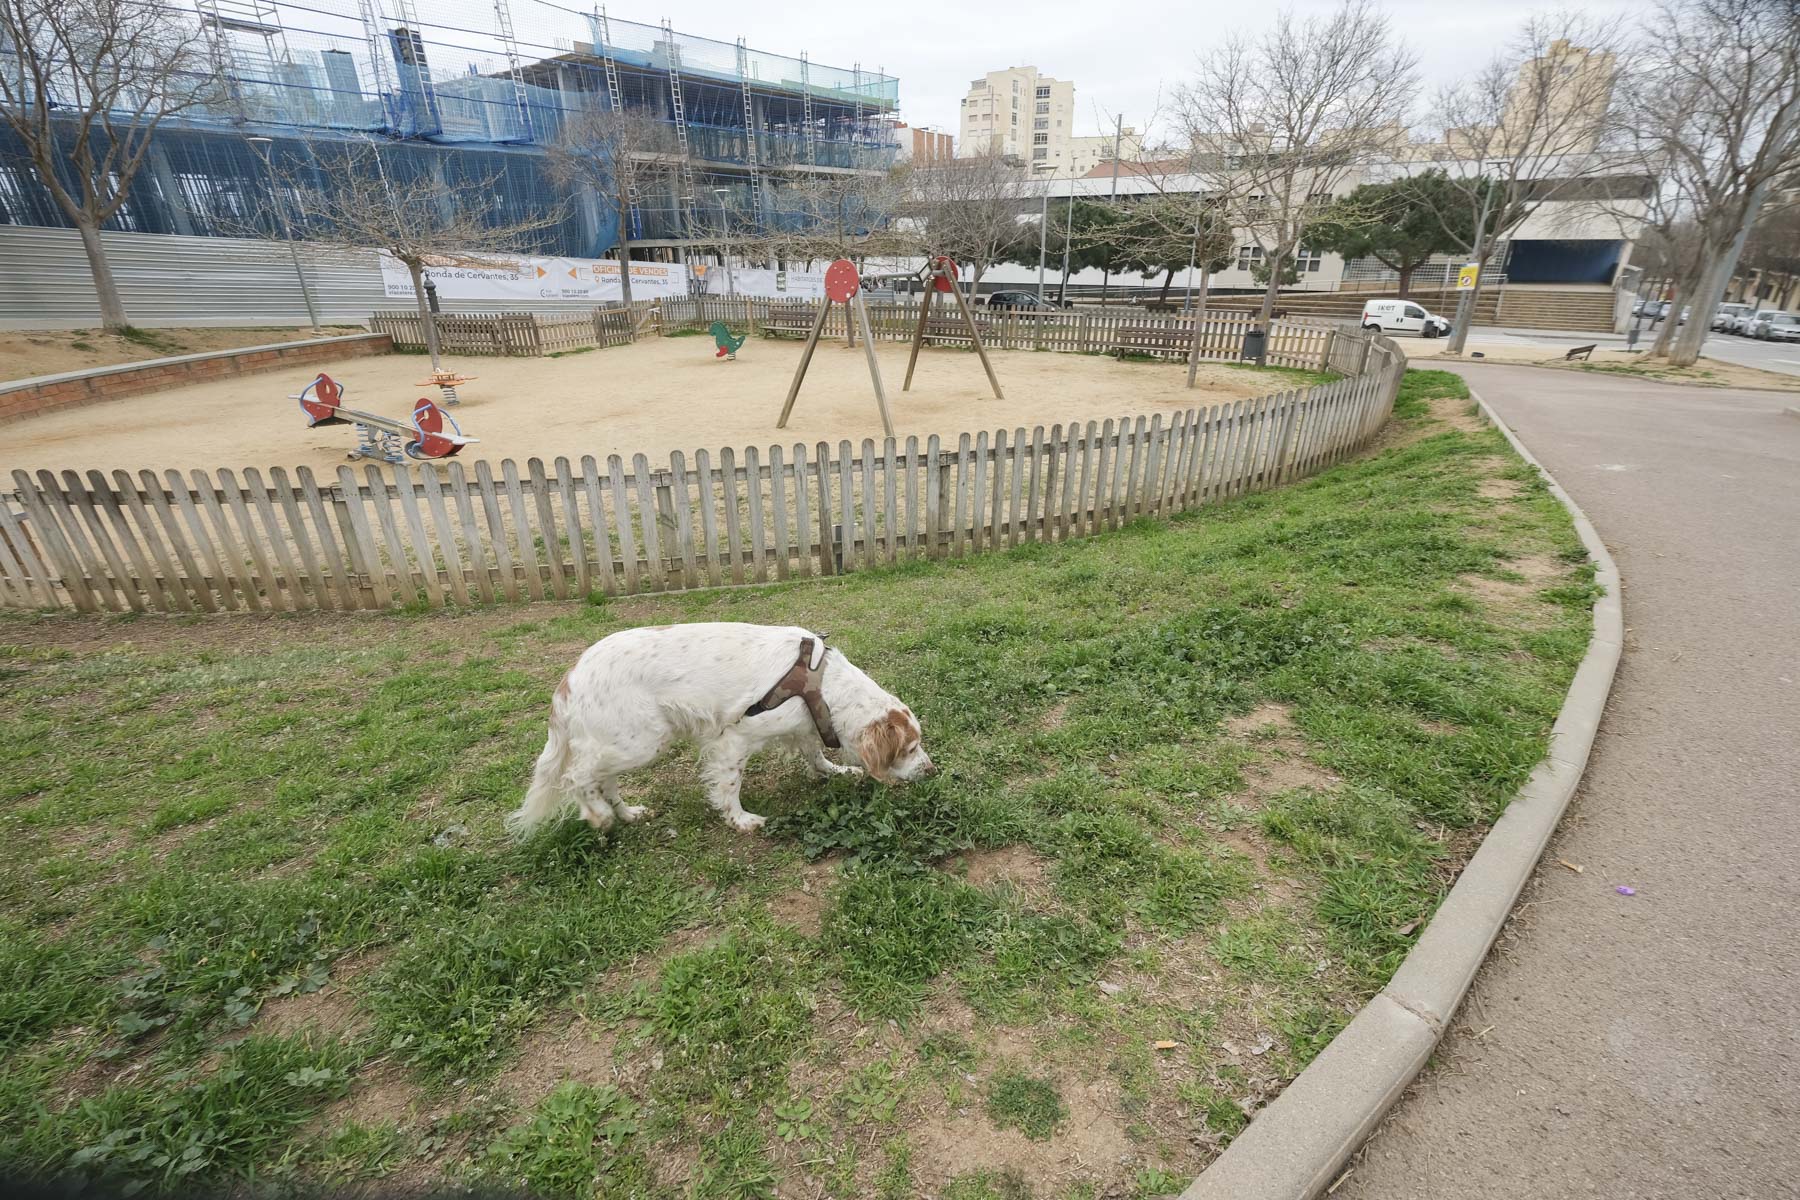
(746, 822)
(853, 772)
(631, 814)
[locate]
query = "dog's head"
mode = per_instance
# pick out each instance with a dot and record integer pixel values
(890, 747)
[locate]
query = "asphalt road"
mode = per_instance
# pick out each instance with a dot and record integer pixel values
(1647, 1045)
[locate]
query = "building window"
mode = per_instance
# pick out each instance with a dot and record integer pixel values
(1043, 92)
(1040, 152)
(1015, 118)
(1043, 106)
(1040, 139)
(1307, 260)
(1041, 123)
(1319, 199)
(1248, 255)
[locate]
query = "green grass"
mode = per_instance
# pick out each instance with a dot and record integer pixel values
(203, 818)
(1022, 1102)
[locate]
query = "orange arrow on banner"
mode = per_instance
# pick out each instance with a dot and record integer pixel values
(572, 273)
(540, 272)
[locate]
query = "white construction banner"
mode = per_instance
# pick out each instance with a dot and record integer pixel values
(756, 281)
(583, 280)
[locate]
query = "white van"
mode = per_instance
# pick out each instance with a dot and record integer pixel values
(1403, 316)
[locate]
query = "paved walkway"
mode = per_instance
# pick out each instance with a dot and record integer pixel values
(1648, 1045)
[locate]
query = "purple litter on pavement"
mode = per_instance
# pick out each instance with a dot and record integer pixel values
(1625, 891)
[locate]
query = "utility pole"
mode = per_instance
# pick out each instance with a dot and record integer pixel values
(1113, 201)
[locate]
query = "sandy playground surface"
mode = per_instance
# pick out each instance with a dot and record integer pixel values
(659, 395)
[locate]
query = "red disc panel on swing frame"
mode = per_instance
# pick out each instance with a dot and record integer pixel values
(841, 281)
(942, 282)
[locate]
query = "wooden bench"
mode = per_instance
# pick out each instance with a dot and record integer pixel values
(1580, 352)
(950, 331)
(1155, 340)
(789, 320)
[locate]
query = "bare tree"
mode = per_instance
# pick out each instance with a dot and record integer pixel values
(350, 196)
(1773, 253)
(1282, 120)
(1715, 101)
(969, 209)
(811, 216)
(627, 159)
(1522, 131)
(88, 83)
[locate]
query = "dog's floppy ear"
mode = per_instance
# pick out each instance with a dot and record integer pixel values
(880, 742)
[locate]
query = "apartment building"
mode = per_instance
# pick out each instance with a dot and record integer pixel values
(1023, 115)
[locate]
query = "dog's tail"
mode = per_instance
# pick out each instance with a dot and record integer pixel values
(545, 798)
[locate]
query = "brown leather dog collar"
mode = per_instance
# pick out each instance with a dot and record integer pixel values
(802, 680)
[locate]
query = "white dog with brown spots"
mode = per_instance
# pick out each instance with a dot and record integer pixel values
(734, 689)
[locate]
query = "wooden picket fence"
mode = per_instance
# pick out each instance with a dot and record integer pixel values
(1291, 343)
(519, 335)
(407, 534)
(1295, 343)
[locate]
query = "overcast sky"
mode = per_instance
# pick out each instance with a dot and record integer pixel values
(1119, 55)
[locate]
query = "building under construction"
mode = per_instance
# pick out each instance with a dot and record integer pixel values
(474, 91)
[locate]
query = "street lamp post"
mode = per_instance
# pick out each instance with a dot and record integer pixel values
(725, 232)
(262, 147)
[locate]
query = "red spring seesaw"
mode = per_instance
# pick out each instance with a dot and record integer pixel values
(383, 437)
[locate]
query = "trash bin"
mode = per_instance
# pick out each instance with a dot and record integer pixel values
(1255, 346)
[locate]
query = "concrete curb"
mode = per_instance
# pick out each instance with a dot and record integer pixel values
(178, 360)
(1297, 1146)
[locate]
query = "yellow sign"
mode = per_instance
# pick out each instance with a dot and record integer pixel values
(1465, 278)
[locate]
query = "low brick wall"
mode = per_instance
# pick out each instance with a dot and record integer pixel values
(48, 393)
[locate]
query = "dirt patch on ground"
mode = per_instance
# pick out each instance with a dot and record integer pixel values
(1090, 1147)
(1054, 717)
(330, 1010)
(653, 397)
(1536, 571)
(1264, 716)
(1018, 864)
(384, 1094)
(562, 1047)
(28, 353)
(1498, 489)
(799, 909)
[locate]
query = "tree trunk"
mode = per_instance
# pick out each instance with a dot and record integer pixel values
(106, 288)
(1665, 335)
(1269, 293)
(1199, 326)
(428, 317)
(1406, 274)
(624, 267)
(1168, 278)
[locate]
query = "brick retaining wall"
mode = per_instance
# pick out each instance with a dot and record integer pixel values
(48, 393)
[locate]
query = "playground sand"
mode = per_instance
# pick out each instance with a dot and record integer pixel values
(660, 395)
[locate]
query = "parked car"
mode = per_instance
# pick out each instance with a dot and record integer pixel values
(1781, 327)
(1403, 316)
(1651, 311)
(1018, 300)
(1745, 323)
(1726, 313)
